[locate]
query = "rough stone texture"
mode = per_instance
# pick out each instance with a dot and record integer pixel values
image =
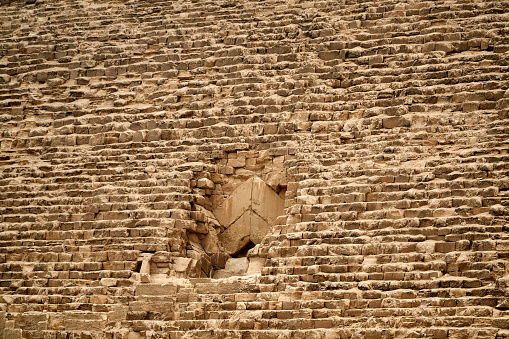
(383, 125)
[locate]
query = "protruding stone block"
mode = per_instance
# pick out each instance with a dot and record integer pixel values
(205, 183)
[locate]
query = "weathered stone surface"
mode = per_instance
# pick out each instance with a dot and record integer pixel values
(237, 266)
(181, 264)
(136, 139)
(255, 265)
(205, 183)
(210, 242)
(237, 235)
(236, 205)
(266, 203)
(155, 289)
(260, 207)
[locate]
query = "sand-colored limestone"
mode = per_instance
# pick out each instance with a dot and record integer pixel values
(254, 169)
(248, 214)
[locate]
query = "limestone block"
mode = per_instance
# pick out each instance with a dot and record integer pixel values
(118, 313)
(238, 162)
(155, 289)
(255, 265)
(221, 274)
(425, 247)
(258, 228)
(201, 268)
(84, 325)
(248, 214)
(276, 178)
(193, 237)
(145, 267)
(109, 282)
(100, 299)
(235, 237)
(32, 321)
(12, 333)
(210, 242)
(233, 207)
(219, 259)
(196, 227)
(196, 251)
(445, 247)
(219, 288)
(393, 122)
(181, 264)
(205, 183)
(133, 335)
(237, 266)
(161, 257)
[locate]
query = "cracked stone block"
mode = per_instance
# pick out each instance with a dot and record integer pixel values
(248, 214)
(237, 236)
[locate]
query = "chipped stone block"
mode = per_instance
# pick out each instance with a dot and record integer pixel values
(205, 183)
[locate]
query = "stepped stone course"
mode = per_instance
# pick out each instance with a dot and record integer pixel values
(254, 169)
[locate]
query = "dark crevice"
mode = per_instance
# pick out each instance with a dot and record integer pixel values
(243, 251)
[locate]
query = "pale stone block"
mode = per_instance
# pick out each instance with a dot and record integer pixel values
(109, 282)
(84, 325)
(99, 299)
(133, 335)
(258, 228)
(118, 313)
(181, 264)
(238, 162)
(233, 207)
(255, 265)
(265, 202)
(237, 266)
(235, 237)
(220, 288)
(276, 178)
(205, 183)
(156, 289)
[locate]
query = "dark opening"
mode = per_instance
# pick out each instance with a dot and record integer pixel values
(138, 267)
(243, 251)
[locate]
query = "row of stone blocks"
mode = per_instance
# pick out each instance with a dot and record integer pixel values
(395, 90)
(258, 313)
